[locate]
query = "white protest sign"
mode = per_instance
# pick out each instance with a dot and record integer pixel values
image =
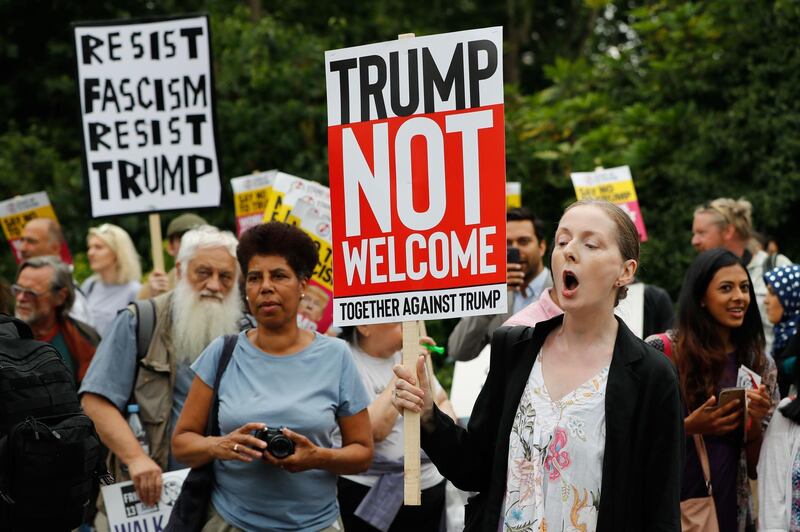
(147, 111)
(416, 152)
(126, 513)
(468, 380)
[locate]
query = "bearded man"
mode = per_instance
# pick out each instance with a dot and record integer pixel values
(204, 304)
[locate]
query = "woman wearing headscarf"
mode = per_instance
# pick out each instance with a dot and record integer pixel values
(782, 306)
(779, 463)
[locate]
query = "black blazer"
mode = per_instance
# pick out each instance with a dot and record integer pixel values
(643, 460)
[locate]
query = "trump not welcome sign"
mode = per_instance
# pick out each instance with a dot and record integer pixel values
(417, 177)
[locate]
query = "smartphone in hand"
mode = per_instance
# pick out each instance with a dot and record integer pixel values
(512, 255)
(726, 395)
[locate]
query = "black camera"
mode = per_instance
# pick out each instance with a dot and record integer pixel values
(278, 445)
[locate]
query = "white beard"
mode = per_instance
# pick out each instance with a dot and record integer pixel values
(196, 322)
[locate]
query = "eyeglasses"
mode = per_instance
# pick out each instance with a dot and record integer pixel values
(17, 290)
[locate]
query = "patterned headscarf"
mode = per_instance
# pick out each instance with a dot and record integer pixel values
(785, 283)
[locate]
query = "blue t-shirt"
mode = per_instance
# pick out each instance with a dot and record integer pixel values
(113, 369)
(305, 392)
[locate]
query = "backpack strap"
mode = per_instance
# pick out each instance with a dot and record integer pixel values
(145, 325)
(229, 344)
(665, 339)
(145, 312)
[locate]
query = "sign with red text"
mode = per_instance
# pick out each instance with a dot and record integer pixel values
(417, 178)
(614, 185)
(15, 213)
(147, 110)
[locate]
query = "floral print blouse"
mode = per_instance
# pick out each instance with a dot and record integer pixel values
(555, 458)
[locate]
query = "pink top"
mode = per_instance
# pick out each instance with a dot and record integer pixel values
(541, 310)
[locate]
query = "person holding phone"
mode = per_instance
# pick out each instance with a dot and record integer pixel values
(719, 330)
(579, 424)
(527, 279)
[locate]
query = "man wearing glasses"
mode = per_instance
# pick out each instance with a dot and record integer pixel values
(43, 237)
(44, 294)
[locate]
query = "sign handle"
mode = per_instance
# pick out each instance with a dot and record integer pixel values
(412, 492)
(156, 245)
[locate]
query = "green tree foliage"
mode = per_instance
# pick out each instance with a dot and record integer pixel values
(701, 100)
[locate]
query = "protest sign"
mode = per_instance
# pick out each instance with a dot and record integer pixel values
(316, 307)
(614, 185)
(126, 513)
(250, 197)
(513, 194)
(417, 177)
(147, 112)
(288, 187)
(18, 211)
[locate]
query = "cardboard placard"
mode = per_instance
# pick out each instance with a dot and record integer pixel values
(18, 211)
(417, 176)
(147, 113)
(127, 513)
(614, 185)
(513, 194)
(250, 197)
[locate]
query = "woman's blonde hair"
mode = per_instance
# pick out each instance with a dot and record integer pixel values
(116, 238)
(728, 211)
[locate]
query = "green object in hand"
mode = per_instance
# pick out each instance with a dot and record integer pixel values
(434, 349)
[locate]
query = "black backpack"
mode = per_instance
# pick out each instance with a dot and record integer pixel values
(50, 455)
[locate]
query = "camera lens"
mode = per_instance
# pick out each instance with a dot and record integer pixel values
(280, 446)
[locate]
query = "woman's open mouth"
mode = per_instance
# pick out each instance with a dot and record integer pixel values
(570, 283)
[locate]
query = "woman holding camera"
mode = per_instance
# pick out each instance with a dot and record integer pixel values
(578, 426)
(279, 376)
(719, 330)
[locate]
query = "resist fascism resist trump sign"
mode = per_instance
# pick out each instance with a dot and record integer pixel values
(417, 178)
(147, 100)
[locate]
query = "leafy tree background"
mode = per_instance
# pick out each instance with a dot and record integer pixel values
(699, 98)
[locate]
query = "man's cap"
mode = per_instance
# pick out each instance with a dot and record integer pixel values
(184, 223)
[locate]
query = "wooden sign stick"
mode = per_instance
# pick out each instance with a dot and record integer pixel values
(412, 492)
(156, 244)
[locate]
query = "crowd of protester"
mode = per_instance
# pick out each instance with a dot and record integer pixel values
(580, 425)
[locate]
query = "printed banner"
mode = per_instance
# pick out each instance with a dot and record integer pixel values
(417, 174)
(288, 188)
(614, 185)
(16, 212)
(316, 307)
(147, 111)
(250, 198)
(126, 512)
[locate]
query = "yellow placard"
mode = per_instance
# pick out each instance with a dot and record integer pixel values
(251, 202)
(615, 192)
(14, 224)
(323, 273)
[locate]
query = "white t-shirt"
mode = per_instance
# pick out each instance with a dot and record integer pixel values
(376, 374)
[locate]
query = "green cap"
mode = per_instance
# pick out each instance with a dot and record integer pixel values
(184, 223)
